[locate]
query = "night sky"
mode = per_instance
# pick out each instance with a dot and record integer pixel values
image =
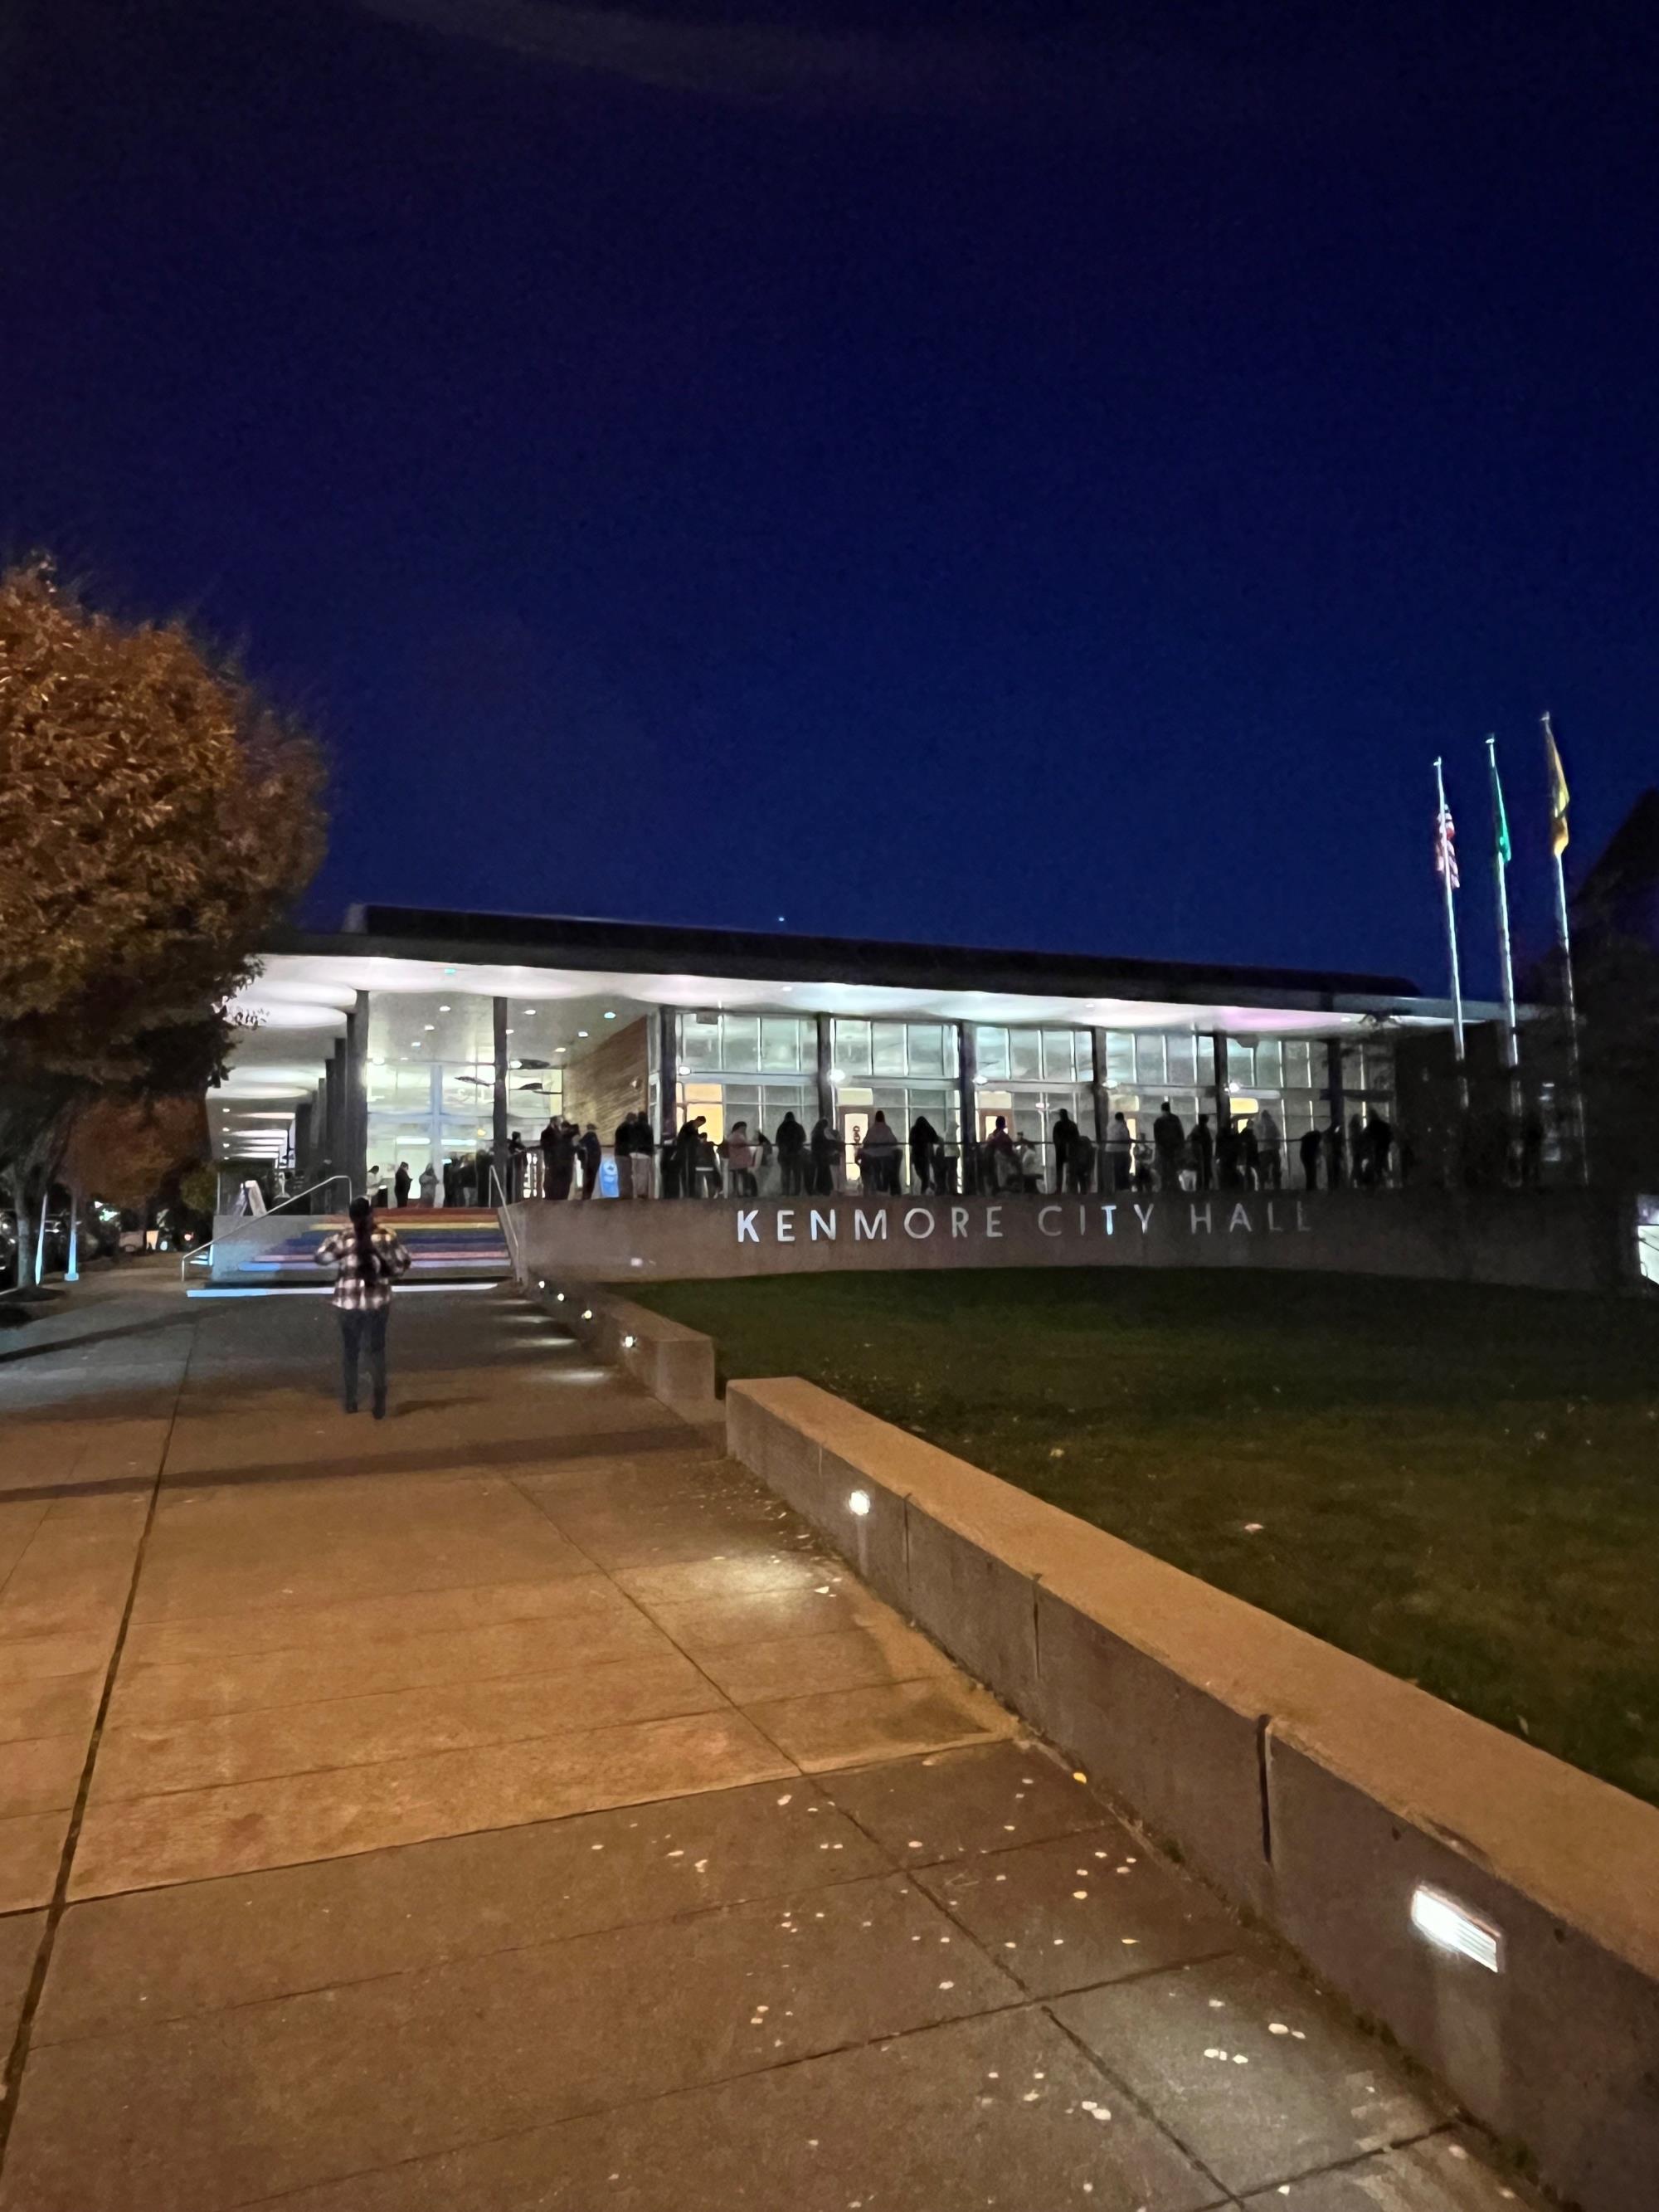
(1008, 479)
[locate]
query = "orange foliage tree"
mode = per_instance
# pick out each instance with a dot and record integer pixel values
(159, 816)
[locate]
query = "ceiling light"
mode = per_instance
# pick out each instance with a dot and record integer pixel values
(429, 1025)
(530, 1009)
(609, 1017)
(581, 1033)
(443, 1010)
(858, 1502)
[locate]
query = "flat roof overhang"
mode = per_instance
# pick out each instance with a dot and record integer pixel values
(297, 1007)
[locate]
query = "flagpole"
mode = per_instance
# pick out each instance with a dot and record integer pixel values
(1564, 938)
(1451, 938)
(1506, 954)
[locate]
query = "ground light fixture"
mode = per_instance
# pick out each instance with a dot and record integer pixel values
(1452, 1927)
(859, 1502)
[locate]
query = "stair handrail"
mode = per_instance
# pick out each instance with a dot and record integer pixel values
(194, 1259)
(504, 1215)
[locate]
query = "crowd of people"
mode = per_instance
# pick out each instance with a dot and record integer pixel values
(1233, 1152)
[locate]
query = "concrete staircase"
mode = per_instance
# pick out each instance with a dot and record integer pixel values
(451, 1245)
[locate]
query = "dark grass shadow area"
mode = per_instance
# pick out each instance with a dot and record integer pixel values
(1457, 1483)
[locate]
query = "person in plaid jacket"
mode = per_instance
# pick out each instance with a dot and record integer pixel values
(369, 1258)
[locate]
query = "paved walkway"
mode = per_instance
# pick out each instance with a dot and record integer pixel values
(507, 1807)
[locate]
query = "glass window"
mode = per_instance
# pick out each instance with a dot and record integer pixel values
(1060, 1055)
(1183, 1058)
(1024, 1056)
(1297, 1066)
(785, 1042)
(740, 1040)
(1149, 1060)
(852, 1042)
(1268, 1064)
(700, 1039)
(887, 1048)
(926, 1049)
(1120, 1057)
(991, 1053)
(1241, 1062)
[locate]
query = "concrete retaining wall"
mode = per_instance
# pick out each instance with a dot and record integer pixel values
(674, 1363)
(1552, 1240)
(1307, 1785)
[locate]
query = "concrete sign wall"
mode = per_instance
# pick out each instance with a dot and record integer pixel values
(1557, 1240)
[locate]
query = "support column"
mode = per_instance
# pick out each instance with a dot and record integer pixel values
(668, 1071)
(1338, 1101)
(355, 1161)
(498, 1101)
(337, 1121)
(967, 1072)
(1218, 1050)
(302, 1143)
(1102, 1102)
(826, 1064)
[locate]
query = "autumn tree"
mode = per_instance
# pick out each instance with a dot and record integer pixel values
(156, 816)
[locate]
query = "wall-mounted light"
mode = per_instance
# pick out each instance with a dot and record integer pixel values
(1452, 1927)
(859, 1502)
(588, 1313)
(838, 1075)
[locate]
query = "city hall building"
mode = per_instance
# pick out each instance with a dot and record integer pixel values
(428, 1037)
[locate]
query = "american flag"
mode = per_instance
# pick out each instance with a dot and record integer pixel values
(1445, 848)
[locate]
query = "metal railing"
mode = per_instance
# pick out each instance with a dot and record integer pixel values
(198, 1257)
(504, 1215)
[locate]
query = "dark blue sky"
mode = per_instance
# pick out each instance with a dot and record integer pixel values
(1010, 480)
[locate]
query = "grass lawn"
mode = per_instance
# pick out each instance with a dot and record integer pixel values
(1461, 1485)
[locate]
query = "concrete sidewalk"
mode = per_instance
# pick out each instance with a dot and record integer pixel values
(506, 1806)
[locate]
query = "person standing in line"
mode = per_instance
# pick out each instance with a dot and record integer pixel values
(1267, 1137)
(671, 1161)
(1359, 1149)
(1062, 1137)
(367, 1258)
(740, 1161)
(1310, 1149)
(1380, 1134)
(1250, 1145)
(564, 1158)
(429, 1186)
(1146, 1157)
(590, 1152)
(687, 1148)
(924, 1154)
(791, 1144)
(645, 1146)
(1169, 1141)
(880, 1156)
(621, 1151)
(1229, 1155)
(400, 1183)
(1001, 1163)
(766, 1166)
(822, 1175)
(1203, 1152)
(1120, 1153)
(549, 1141)
(515, 1165)
(1080, 1162)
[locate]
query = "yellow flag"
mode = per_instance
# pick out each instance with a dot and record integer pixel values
(1558, 792)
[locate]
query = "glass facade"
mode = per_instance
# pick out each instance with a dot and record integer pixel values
(430, 1081)
(429, 1076)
